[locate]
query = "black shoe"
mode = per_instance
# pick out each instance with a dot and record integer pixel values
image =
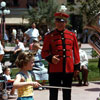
(80, 83)
(86, 84)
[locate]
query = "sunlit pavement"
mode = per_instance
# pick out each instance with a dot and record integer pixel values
(90, 92)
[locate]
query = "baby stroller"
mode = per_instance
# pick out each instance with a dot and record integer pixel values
(3, 88)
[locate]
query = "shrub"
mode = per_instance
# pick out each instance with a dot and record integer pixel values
(94, 53)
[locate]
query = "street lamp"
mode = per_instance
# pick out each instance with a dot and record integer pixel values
(3, 11)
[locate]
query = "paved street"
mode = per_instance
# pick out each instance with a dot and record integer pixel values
(90, 92)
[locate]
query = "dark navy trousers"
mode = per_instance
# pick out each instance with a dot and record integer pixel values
(63, 80)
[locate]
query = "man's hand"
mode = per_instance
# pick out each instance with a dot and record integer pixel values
(15, 52)
(55, 59)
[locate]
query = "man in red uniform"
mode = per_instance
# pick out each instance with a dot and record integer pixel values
(61, 50)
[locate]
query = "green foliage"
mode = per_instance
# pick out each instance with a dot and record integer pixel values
(72, 8)
(90, 9)
(94, 74)
(94, 53)
(44, 13)
(14, 71)
(93, 60)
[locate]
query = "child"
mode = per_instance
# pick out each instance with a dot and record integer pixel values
(83, 66)
(39, 70)
(23, 82)
(6, 73)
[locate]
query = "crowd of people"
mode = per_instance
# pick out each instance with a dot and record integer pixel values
(60, 49)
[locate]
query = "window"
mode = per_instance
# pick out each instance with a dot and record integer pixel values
(87, 0)
(76, 22)
(15, 3)
(31, 3)
(8, 3)
(78, 0)
(71, 1)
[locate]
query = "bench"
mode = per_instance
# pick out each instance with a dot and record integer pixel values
(9, 56)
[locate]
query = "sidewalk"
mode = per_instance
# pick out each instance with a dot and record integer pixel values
(90, 92)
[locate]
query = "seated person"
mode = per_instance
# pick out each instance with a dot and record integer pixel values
(39, 70)
(83, 66)
(6, 73)
(7, 53)
(18, 48)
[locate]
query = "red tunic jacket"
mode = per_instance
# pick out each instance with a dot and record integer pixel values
(65, 45)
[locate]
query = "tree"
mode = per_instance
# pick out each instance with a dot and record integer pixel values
(89, 10)
(43, 14)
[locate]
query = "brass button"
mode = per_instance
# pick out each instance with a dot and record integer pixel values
(61, 33)
(51, 34)
(63, 49)
(62, 38)
(64, 56)
(71, 39)
(69, 56)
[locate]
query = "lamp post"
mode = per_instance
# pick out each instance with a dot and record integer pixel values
(3, 11)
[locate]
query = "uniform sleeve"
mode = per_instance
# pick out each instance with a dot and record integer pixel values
(46, 50)
(76, 54)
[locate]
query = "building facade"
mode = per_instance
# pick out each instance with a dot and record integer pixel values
(18, 8)
(18, 12)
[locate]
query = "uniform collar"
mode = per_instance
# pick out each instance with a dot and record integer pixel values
(60, 31)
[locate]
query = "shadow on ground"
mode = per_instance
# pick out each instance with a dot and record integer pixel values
(98, 82)
(93, 89)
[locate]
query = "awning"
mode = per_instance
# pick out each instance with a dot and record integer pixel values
(15, 21)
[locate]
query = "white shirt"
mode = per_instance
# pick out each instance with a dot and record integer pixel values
(7, 76)
(83, 57)
(20, 45)
(14, 32)
(1, 53)
(32, 32)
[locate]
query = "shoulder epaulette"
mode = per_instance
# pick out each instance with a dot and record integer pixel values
(47, 33)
